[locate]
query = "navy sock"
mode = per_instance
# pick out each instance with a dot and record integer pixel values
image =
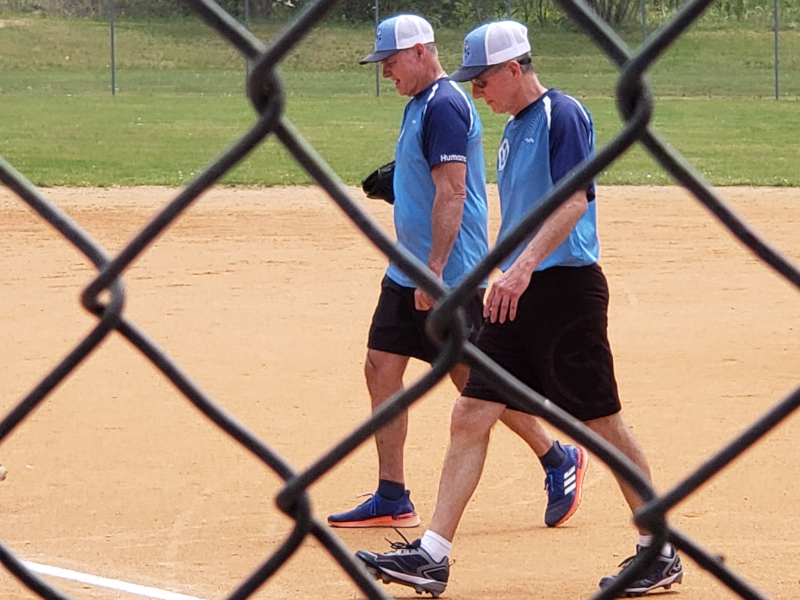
(391, 490)
(554, 458)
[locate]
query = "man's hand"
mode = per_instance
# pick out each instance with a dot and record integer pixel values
(505, 293)
(423, 301)
(507, 289)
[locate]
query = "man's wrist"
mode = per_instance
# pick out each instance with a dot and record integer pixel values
(437, 269)
(526, 263)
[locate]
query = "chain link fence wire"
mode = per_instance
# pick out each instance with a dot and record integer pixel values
(104, 297)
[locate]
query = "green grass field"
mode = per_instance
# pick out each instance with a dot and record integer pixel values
(180, 102)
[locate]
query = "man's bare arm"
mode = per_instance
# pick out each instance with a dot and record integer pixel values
(448, 210)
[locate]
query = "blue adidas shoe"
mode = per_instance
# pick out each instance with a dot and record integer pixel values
(378, 512)
(564, 486)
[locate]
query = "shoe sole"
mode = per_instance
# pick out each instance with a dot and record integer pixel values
(406, 520)
(434, 588)
(580, 471)
(664, 583)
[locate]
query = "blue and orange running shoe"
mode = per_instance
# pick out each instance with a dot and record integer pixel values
(564, 486)
(378, 512)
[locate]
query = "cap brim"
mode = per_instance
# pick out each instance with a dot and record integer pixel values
(469, 73)
(377, 56)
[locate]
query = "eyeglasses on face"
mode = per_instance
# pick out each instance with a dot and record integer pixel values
(482, 82)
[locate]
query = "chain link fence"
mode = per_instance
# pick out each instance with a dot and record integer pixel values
(105, 297)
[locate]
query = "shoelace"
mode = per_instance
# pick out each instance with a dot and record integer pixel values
(627, 561)
(400, 546)
(549, 483)
(405, 545)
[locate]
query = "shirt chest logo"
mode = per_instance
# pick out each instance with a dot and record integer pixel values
(502, 155)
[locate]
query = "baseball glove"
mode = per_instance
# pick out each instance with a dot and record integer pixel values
(380, 183)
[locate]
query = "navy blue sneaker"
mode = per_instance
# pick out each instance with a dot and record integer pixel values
(409, 565)
(564, 486)
(664, 572)
(378, 512)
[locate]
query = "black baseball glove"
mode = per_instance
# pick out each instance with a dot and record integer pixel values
(380, 183)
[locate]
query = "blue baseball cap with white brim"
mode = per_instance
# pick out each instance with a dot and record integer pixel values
(399, 33)
(489, 45)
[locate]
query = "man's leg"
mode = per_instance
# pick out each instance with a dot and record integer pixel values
(459, 376)
(529, 429)
(614, 430)
(524, 425)
(391, 505)
(667, 568)
(384, 374)
(470, 426)
(564, 466)
(424, 564)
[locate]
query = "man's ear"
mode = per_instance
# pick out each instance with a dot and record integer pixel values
(419, 49)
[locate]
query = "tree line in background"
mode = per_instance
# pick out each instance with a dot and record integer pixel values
(448, 13)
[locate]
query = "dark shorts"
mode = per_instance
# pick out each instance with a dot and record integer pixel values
(558, 343)
(399, 328)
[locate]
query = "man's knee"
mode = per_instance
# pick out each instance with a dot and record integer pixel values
(381, 366)
(371, 367)
(473, 418)
(615, 431)
(610, 428)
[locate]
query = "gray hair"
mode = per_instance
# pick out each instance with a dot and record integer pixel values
(525, 63)
(431, 47)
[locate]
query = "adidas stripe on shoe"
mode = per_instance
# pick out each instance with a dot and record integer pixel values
(564, 486)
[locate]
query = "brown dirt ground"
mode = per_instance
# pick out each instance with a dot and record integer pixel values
(264, 297)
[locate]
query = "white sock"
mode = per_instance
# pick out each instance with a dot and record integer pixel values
(435, 545)
(645, 541)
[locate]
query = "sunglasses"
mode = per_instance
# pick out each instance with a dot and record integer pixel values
(483, 81)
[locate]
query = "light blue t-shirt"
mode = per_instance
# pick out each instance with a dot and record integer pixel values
(440, 125)
(541, 144)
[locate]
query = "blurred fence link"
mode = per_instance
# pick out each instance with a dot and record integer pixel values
(105, 296)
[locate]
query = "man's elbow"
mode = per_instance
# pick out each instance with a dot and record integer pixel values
(455, 195)
(579, 203)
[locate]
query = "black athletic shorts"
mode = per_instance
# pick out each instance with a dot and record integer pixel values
(558, 343)
(398, 327)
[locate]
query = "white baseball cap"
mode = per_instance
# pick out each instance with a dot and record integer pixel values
(399, 33)
(489, 45)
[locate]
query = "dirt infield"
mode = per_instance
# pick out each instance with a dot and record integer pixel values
(264, 297)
